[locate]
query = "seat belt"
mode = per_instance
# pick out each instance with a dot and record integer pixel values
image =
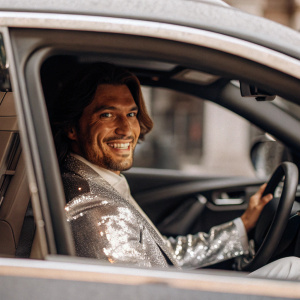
(27, 234)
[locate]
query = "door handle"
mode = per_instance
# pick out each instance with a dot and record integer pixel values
(224, 199)
(228, 201)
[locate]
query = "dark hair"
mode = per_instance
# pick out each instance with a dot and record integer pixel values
(79, 92)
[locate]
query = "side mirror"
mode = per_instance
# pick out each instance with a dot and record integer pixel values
(267, 154)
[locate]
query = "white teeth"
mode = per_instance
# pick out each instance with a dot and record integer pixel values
(119, 146)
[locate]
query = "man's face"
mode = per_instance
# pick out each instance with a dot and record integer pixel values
(108, 129)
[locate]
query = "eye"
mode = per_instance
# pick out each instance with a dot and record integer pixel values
(106, 115)
(132, 114)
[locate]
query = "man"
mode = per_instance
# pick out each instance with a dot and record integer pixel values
(100, 118)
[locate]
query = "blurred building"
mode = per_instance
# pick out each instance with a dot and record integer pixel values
(286, 12)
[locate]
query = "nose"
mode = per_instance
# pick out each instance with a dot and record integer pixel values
(123, 127)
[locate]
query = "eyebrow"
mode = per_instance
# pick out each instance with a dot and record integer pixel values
(107, 107)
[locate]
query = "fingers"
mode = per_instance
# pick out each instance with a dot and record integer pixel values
(261, 190)
(266, 199)
(258, 199)
(255, 207)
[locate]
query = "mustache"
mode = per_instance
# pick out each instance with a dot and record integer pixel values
(118, 137)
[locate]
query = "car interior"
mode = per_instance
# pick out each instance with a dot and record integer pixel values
(14, 186)
(178, 203)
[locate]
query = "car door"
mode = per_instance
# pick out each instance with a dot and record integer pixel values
(28, 50)
(165, 196)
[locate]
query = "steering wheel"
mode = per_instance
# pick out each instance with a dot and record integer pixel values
(289, 173)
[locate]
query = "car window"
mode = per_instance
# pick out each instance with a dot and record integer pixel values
(195, 135)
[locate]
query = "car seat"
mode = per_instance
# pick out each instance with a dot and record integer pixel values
(14, 190)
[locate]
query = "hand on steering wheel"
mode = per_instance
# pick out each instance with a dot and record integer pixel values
(289, 172)
(256, 204)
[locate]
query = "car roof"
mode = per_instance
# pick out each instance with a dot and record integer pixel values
(211, 15)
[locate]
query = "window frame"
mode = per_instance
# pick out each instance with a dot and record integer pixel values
(32, 46)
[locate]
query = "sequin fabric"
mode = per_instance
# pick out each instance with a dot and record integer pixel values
(108, 227)
(202, 249)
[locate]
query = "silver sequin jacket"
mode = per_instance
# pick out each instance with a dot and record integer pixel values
(108, 227)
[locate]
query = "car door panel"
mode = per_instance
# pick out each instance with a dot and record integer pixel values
(188, 204)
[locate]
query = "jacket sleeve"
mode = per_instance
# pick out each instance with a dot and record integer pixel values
(222, 242)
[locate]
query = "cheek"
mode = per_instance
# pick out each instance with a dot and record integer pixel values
(99, 133)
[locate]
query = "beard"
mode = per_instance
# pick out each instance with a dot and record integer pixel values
(101, 156)
(122, 165)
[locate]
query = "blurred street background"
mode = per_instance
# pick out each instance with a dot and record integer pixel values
(202, 137)
(286, 12)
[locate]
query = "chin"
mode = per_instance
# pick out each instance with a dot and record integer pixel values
(125, 166)
(119, 165)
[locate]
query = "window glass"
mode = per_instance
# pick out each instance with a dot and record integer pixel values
(194, 135)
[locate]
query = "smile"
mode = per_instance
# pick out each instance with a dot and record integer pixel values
(122, 146)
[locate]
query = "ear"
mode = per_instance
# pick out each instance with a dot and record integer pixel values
(71, 134)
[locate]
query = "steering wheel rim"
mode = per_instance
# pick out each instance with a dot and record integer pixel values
(280, 219)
